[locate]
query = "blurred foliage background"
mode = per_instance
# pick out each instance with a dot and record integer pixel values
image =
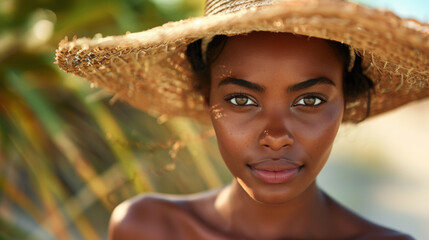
(67, 156)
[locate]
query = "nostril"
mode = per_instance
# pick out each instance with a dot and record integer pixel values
(278, 141)
(276, 147)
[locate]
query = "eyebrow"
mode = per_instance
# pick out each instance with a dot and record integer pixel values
(309, 83)
(243, 83)
(294, 88)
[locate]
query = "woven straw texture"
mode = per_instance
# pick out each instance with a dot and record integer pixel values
(150, 71)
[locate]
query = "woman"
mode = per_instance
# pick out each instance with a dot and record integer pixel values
(275, 100)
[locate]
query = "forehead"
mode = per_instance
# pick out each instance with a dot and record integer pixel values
(262, 52)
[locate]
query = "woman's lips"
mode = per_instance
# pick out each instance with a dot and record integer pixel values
(275, 171)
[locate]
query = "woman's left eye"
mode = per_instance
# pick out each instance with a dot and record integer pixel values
(311, 101)
(242, 101)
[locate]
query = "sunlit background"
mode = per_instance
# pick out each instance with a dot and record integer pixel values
(68, 157)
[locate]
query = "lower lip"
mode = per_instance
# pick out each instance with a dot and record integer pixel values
(275, 176)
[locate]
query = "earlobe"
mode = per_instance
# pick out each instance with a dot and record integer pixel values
(207, 107)
(206, 97)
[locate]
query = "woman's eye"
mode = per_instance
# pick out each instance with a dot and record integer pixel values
(310, 101)
(241, 101)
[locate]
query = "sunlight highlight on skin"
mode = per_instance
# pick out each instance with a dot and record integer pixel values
(217, 112)
(121, 211)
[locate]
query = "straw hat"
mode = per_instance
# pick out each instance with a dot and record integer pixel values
(150, 71)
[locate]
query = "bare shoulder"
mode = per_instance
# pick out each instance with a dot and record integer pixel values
(363, 229)
(382, 233)
(377, 232)
(156, 216)
(144, 217)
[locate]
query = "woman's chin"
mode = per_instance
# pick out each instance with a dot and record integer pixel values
(272, 199)
(273, 195)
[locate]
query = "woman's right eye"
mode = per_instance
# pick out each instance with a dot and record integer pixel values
(241, 100)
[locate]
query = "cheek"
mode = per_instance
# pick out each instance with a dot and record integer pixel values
(234, 140)
(226, 140)
(230, 139)
(233, 132)
(320, 134)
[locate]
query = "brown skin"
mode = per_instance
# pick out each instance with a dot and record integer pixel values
(267, 123)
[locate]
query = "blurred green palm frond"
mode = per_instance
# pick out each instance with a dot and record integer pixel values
(68, 157)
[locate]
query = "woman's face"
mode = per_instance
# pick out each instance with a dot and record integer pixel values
(276, 103)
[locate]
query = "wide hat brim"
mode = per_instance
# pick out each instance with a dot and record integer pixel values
(150, 71)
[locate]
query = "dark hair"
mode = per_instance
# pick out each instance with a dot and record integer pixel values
(200, 64)
(355, 83)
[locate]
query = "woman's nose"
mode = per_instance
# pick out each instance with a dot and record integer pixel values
(276, 134)
(276, 140)
(277, 123)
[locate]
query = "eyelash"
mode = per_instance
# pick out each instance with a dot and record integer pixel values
(319, 99)
(233, 98)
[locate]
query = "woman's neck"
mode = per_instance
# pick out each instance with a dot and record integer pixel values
(243, 216)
